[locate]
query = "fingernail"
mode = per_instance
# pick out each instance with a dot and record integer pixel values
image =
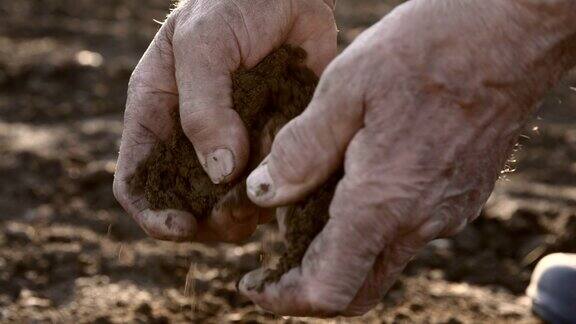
(260, 185)
(219, 165)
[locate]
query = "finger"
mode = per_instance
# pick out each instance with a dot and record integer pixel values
(389, 199)
(151, 97)
(167, 225)
(320, 43)
(310, 147)
(446, 219)
(203, 74)
(339, 259)
(332, 271)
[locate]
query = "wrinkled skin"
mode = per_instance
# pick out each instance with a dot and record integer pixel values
(189, 65)
(422, 111)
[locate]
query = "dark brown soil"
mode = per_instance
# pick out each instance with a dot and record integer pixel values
(266, 97)
(69, 254)
(172, 177)
(303, 222)
(278, 89)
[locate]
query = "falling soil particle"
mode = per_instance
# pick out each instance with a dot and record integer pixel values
(303, 222)
(266, 97)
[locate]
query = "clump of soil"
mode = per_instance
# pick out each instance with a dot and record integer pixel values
(303, 222)
(266, 97)
(172, 177)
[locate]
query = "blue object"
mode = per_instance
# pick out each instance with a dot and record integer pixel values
(553, 289)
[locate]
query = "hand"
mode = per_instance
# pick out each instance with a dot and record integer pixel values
(422, 111)
(189, 65)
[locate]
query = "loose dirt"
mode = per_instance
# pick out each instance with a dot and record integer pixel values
(172, 177)
(266, 97)
(303, 222)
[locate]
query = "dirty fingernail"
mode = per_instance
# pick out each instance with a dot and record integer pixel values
(219, 165)
(259, 184)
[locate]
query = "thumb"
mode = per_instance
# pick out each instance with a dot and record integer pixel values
(310, 147)
(203, 74)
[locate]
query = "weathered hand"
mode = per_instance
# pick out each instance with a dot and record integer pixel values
(421, 111)
(189, 65)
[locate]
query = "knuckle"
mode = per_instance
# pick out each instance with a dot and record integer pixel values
(206, 127)
(332, 80)
(192, 27)
(163, 40)
(344, 66)
(208, 36)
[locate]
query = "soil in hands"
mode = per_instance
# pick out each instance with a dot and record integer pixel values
(303, 222)
(266, 97)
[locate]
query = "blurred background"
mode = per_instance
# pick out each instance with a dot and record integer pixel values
(69, 254)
